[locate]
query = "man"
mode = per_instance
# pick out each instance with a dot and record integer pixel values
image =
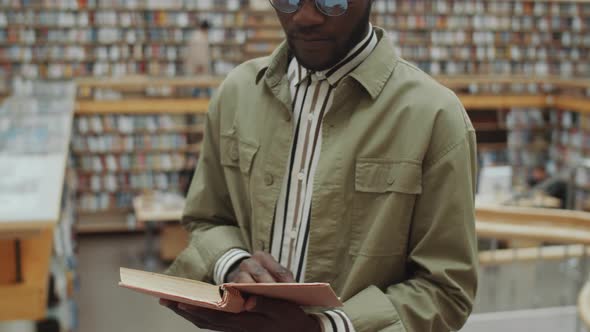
(198, 59)
(333, 160)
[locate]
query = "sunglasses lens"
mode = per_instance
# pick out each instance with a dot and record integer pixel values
(286, 6)
(332, 7)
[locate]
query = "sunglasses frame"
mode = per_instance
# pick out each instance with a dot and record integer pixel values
(300, 4)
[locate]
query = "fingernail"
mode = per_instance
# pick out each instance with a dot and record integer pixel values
(183, 307)
(250, 304)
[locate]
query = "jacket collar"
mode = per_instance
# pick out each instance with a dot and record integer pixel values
(372, 74)
(298, 74)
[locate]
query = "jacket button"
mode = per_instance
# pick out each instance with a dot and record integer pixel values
(268, 179)
(391, 180)
(233, 152)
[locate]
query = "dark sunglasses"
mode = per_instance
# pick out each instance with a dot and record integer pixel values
(327, 7)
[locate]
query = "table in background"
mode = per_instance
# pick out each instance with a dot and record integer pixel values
(35, 219)
(153, 209)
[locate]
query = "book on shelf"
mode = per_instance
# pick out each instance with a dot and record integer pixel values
(130, 124)
(118, 156)
(101, 202)
(135, 162)
(175, 181)
(109, 143)
(227, 297)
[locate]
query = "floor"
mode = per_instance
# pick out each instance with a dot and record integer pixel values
(104, 307)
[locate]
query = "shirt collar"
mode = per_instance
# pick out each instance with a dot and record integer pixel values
(297, 73)
(372, 73)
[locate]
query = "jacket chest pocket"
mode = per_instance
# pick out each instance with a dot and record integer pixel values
(237, 153)
(383, 202)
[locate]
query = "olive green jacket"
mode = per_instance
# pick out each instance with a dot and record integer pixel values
(392, 220)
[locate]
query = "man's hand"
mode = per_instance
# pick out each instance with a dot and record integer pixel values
(261, 315)
(260, 268)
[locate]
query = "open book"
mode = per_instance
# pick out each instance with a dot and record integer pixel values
(227, 297)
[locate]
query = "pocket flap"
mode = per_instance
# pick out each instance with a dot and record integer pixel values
(230, 153)
(382, 175)
(237, 152)
(247, 151)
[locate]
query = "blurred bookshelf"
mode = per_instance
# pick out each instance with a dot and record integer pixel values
(531, 123)
(133, 135)
(138, 122)
(74, 38)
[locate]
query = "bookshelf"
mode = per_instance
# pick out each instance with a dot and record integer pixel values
(458, 37)
(77, 38)
(132, 135)
(528, 123)
(137, 153)
(80, 38)
(122, 148)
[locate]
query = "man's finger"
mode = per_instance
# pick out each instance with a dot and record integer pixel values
(198, 321)
(257, 271)
(279, 272)
(272, 308)
(229, 321)
(244, 278)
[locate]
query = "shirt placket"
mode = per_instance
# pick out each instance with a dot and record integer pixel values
(300, 173)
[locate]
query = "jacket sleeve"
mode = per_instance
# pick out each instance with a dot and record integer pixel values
(442, 255)
(208, 214)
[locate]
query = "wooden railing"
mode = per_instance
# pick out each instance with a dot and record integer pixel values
(535, 224)
(549, 235)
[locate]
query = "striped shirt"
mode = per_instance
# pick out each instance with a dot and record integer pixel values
(312, 94)
(312, 98)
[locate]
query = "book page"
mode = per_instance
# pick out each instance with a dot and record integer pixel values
(170, 287)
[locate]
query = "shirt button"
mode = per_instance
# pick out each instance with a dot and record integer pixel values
(233, 153)
(293, 234)
(268, 179)
(301, 176)
(310, 117)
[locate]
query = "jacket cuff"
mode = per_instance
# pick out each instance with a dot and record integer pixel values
(198, 260)
(334, 321)
(225, 263)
